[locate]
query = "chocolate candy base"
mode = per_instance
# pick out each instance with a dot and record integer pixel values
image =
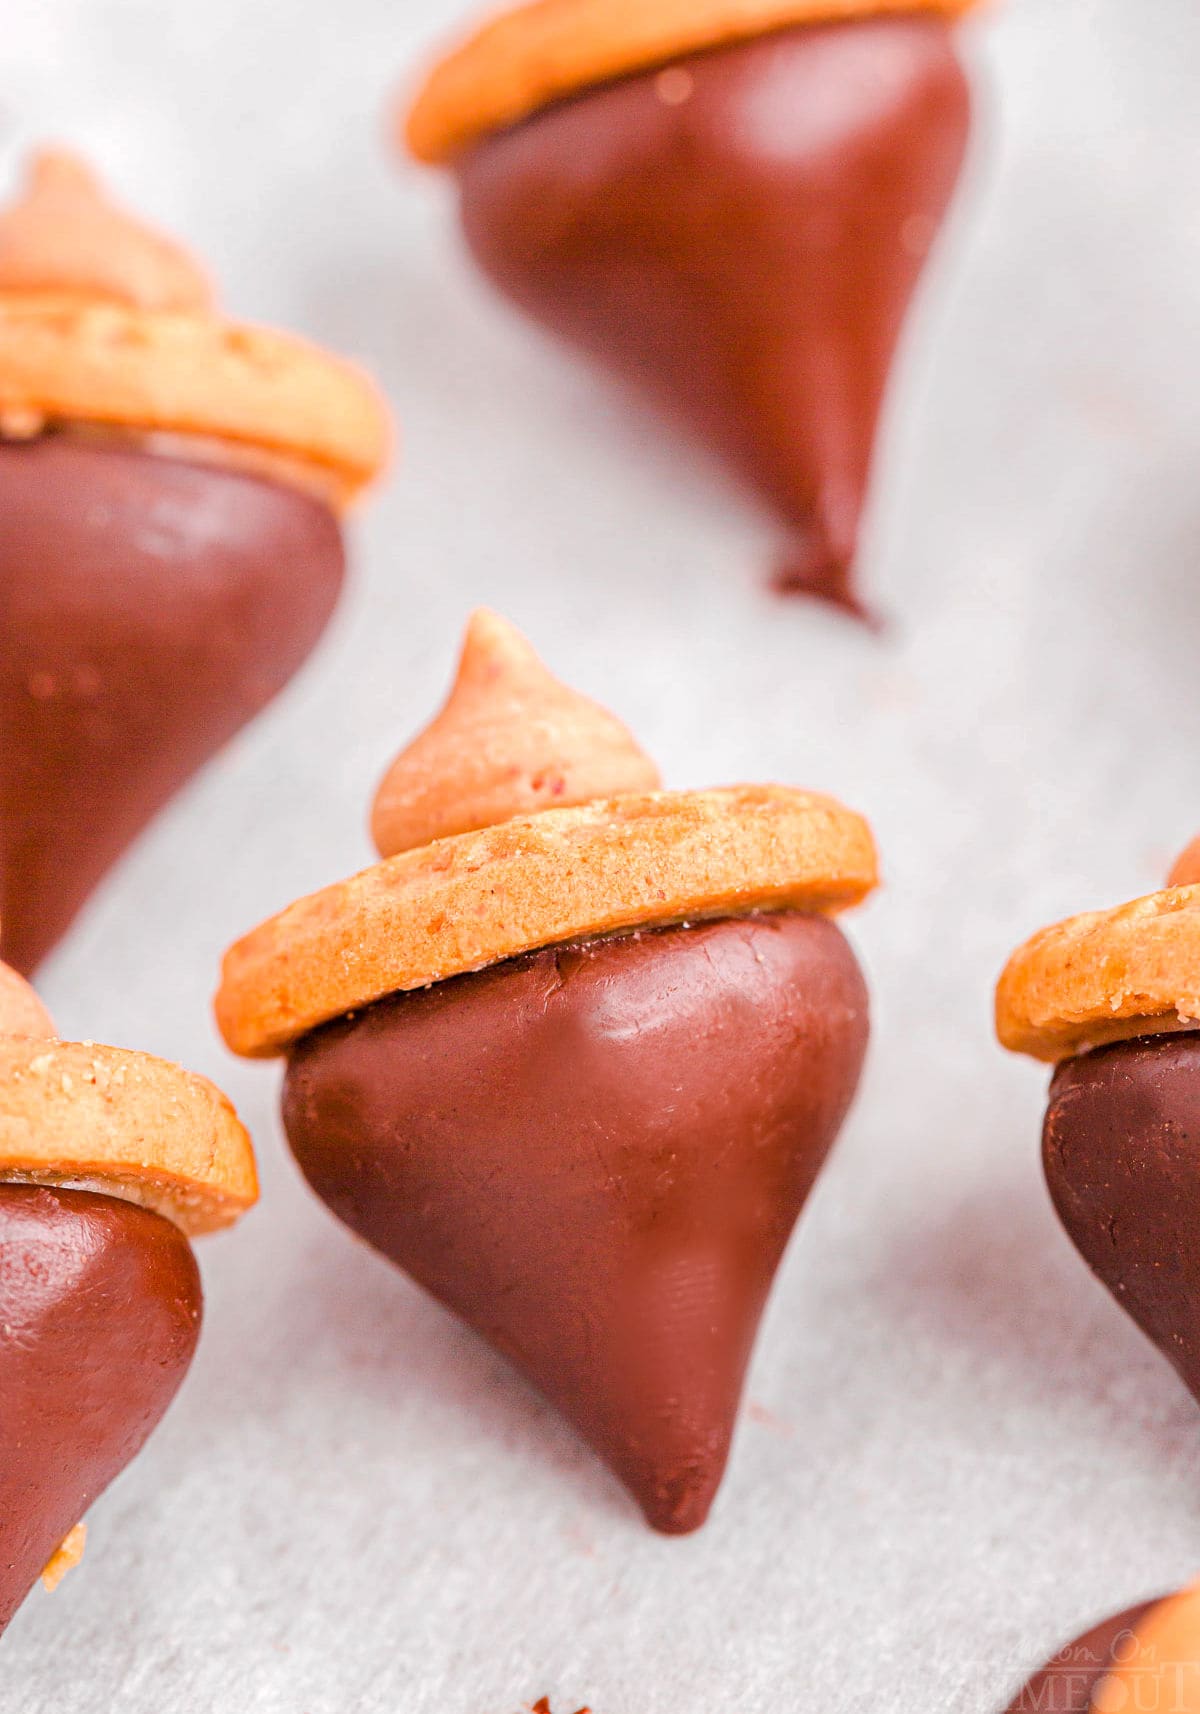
(1122, 1157)
(595, 1154)
(99, 1315)
(1065, 1684)
(740, 234)
(148, 609)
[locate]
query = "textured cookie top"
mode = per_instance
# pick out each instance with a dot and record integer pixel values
(126, 1124)
(1104, 976)
(521, 818)
(103, 322)
(525, 58)
(477, 898)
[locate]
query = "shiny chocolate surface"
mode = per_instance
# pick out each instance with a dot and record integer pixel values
(1122, 1157)
(148, 609)
(739, 234)
(596, 1154)
(100, 1308)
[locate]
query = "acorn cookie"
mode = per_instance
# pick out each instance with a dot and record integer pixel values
(1145, 1661)
(573, 1054)
(1112, 999)
(727, 202)
(171, 485)
(109, 1162)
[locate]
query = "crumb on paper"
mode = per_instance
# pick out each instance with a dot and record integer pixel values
(64, 1558)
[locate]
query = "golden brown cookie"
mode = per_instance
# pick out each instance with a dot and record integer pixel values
(532, 55)
(63, 359)
(477, 898)
(125, 1124)
(106, 324)
(1104, 976)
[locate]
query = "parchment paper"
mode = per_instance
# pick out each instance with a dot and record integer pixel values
(955, 1453)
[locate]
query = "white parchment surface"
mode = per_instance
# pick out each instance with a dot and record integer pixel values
(955, 1452)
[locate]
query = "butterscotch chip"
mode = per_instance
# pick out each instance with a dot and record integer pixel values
(1186, 869)
(66, 234)
(511, 740)
(1104, 976)
(478, 898)
(538, 53)
(125, 1124)
(65, 359)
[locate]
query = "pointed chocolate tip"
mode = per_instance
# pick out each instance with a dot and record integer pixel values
(678, 1504)
(64, 234)
(511, 740)
(811, 568)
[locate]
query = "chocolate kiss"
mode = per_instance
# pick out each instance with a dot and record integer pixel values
(740, 234)
(148, 609)
(1065, 1684)
(596, 1154)
(99, 1315)
(1123, 1166)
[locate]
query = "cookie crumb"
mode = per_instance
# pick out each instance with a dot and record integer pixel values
(64, 1558)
